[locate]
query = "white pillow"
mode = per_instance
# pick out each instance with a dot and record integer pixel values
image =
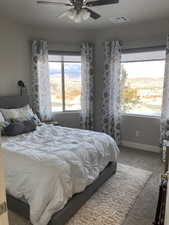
(24, 113)
(3, 123)
(9, 113)
(2, 120)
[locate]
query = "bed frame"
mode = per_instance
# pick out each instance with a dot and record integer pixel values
(61, 217)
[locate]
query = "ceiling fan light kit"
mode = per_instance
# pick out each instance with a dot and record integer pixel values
(85, 14)
(77, 17)
(80, 9)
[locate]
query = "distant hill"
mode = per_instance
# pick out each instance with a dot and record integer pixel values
(147, 79)
(146, 82)
(73, 70)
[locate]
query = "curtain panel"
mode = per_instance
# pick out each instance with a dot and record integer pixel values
(41, 97)
(165, 104)
(111, 90)
(87, 95)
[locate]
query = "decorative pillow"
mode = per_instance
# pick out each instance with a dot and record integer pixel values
(2, 120)
(21, 114)
(29, 125)
(3, 123)
(20, 127)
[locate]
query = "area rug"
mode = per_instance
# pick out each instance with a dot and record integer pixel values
(111, 203)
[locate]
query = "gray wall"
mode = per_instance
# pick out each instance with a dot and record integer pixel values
(14, 57)
(142, 130)
(68, 119)
(63, 40)
(133, 36)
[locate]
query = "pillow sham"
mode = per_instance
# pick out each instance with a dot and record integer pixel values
(21, 114)
(3, 123)
(1, 118)
(20, 127)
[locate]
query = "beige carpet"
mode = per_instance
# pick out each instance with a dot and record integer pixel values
(111, 203)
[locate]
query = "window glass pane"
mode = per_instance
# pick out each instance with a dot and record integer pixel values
(72, 76)
(56, 86)
(142, 85)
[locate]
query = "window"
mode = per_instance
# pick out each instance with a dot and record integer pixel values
(142, 77)
(65, 81)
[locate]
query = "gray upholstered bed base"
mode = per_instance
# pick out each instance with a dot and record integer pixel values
(61, 217)
(73, 205)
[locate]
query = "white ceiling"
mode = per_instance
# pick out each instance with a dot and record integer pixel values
(137, 11)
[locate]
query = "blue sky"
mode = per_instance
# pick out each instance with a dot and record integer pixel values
(152, 69)
(72, 69)
(135, 70)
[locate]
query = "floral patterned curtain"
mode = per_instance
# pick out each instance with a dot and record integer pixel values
(111, 90)
(41, 98)
(165, 105)
(87, 96)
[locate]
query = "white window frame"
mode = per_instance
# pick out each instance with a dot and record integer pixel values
(134, 113)
(62, 61)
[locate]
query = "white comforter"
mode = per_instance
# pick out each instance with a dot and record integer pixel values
(48, 166)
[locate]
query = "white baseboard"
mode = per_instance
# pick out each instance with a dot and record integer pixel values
(150, 148)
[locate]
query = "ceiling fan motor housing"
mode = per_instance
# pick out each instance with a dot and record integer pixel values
(78, 4)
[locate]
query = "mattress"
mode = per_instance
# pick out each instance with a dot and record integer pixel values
(47, 166)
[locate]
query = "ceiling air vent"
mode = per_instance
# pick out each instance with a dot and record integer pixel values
(119, 20)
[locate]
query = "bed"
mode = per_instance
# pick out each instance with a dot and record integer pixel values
(74, 162)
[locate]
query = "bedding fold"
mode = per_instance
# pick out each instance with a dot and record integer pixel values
(49, 165)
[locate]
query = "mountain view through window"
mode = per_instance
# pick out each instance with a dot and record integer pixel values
(65, 81)
(142, 85)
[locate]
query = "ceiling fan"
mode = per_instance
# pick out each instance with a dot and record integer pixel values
(80, 9)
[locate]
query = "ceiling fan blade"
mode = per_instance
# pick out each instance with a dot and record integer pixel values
(53, 3)
(101, 2)
(93, 14)
(61, 15)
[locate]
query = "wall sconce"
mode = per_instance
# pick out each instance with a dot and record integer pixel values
(22, 86)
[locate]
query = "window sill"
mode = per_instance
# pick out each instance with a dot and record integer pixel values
(66, 112)
(141, 115)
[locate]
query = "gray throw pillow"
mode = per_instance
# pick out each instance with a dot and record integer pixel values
(20, 127)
